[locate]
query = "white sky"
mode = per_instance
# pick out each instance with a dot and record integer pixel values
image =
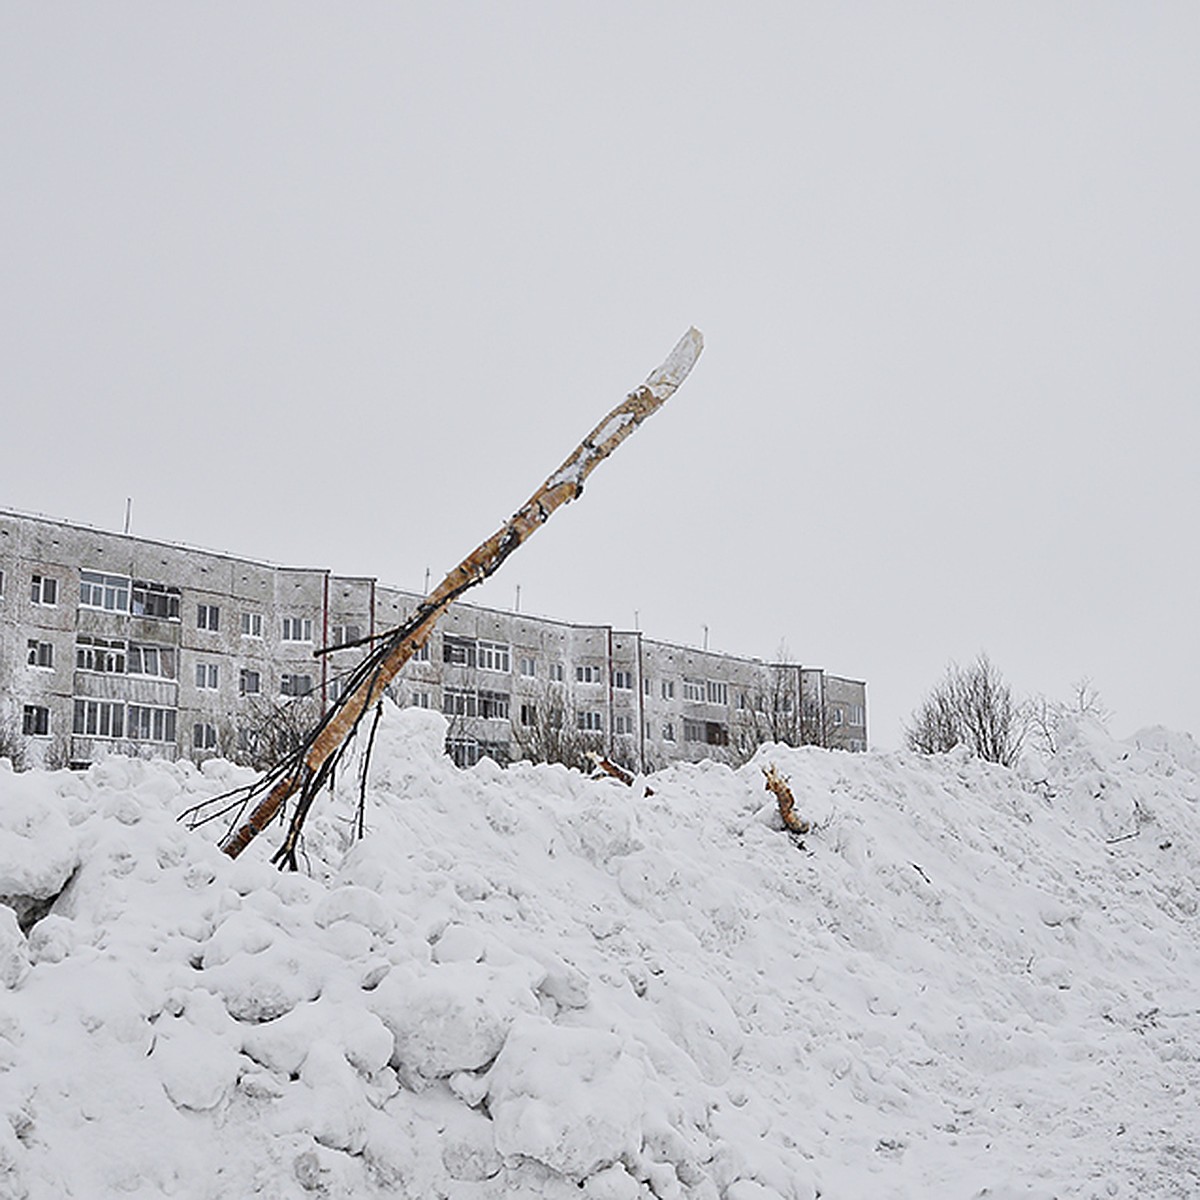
(340, 285)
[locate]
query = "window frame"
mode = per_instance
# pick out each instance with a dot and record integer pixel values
(33, 715)
(494, 656)
(43, 590)
(154, 601)
(296, 629)
(39, 655)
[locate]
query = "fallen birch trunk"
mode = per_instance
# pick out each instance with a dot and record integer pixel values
(308, 769)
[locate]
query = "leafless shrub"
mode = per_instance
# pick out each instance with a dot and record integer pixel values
(972, 706)
(1046, 716)
(271, 730)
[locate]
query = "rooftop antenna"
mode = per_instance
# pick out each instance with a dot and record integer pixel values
(518, 608)
(128, 511)
(706, 637)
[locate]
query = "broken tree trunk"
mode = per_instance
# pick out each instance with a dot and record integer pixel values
(306, 771)
(778, 785)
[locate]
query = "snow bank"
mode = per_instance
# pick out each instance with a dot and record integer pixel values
(966, 982)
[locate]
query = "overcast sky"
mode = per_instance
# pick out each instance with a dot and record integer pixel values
(340, 285)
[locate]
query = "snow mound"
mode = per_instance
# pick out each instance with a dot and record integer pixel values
(965, 982)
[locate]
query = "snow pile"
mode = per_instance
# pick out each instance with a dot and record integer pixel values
(966, 982)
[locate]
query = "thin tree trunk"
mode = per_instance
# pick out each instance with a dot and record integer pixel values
(307, 770)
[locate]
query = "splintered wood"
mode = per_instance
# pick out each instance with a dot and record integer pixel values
(605, 766)
(778, 784)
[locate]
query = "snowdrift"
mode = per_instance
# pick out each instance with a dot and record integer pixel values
(965, 982)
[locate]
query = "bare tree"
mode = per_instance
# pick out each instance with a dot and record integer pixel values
(972, 706)
(12, 743)
(272, 729)
(1046, 716)
(545, 727)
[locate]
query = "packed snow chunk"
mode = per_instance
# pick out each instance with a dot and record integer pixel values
(410, 747)
(452, 1016)
(699, 1020)
(262, 985)
(606, 827)
(197, 1067)
(356, 904)
(39, 850)
(14, 951)
(613, 1183)
(459, 943)
(469, 1149)
(572, 1099)
(282, 1045)
(241, 932)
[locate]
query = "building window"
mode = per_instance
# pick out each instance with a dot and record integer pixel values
(252, 624)
(623, 680)
(156, 661)
(528, 714)
(344, 634)
(839, 715)
(154, 600)
(249, 683)
(206, 676)
(716, 734)
(1, 584)
(622, 724)
(147, 724)
(496, 751)
(420, 699)
(693, 689)
(718, 693)
(693, 731)
(35, 721)
(668, 731)
(40, 654)
(494, 656)
(421, 653)
(107, 592)
(528, 668)
(588, 675)
(494, 705)
(464, 751)
(297, 629)
(646, 688)
(102, 655)
(668, 689)
(858, 716)
(458, 652)
(295, 685)
(558, 672)
(204, 737)
(208, 616)
(458, 702)
(43, 589)
(99, 718)
(591, 722)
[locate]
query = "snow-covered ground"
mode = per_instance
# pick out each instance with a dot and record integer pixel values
(966, 982)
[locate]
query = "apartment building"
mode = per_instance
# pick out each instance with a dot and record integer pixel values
(116, 644)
